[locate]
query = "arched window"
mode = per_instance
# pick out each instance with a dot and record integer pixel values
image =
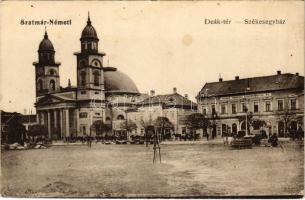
(96, 77)
(52, 85)
(281, 129)
(234, 128)
(243, 126)
(83, 78)
(107, 118)
(120, 117)
(293, 126)
(40, 85)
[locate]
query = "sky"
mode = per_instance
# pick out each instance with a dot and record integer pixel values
(160, 45)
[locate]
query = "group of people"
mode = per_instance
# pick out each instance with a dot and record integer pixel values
(85, 138)
(297, 134)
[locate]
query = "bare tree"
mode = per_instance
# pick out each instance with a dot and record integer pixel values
(198, 121)
(162, 124)
(287, 116)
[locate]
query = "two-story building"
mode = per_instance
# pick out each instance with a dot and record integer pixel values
(173, 107)
(277, 100)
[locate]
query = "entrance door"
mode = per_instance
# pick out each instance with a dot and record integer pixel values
(224, 130)
(293, 127)
(281, 129)
(214, 131)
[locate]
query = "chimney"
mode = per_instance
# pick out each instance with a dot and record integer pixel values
(236, 77)
(186, 96)
(69, 83)
(174, 90)
(152, 93)
(220, 79)
(297, 73)
(279, 72)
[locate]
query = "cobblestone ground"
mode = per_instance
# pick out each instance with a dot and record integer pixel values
(127, 171)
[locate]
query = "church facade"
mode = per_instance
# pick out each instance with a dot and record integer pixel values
(101, 94)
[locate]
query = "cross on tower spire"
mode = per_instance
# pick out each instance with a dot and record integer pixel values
(45, 33)
(89, 21)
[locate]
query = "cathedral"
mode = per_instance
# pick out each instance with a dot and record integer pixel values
(101, 94)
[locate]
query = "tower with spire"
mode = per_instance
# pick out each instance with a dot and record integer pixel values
(90, 74)
(46, 69)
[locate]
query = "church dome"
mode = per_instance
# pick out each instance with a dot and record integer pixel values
(118, 82)
(89, 31)
(46, 44)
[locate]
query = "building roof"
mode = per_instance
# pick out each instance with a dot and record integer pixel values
(8, 116)
(46, 44)
(118, 82)
(89, 31)
(169, 100)
(255, 85)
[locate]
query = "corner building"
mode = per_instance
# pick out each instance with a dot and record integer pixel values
(271, 99)
(71, 111)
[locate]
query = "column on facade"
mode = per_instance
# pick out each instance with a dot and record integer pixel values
(61, 122)
(67, 134)
(49, 123)
(41, 118)
(55, 118)
(37, 117)
(77, 121)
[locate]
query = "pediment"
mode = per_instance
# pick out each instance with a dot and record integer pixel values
(50, 99)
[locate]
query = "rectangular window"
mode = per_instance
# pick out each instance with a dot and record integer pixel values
(223, 109)
(204, 111)
(268, 106)
(233, 108)
(83, 92)
(293, 104)
(244, 107)
(280, 105)
(83, 115)
(84, 130)
(255, 107)
(213, 109)
(183, 130)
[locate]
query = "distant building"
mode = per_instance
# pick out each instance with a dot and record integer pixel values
(174, 107)
(71, 111)
(273, 99)
(8, 117)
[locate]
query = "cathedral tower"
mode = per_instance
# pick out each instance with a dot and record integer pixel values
(90, 79)
(46, 69)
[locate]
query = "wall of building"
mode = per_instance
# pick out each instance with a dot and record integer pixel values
(271, 116)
